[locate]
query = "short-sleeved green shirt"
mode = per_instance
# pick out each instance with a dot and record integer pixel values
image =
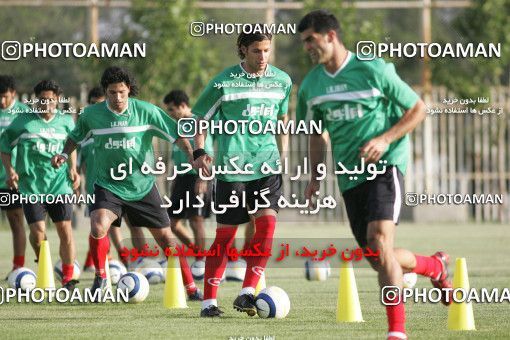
(119, 137)
(37, 141)
(6, 118)
(362, 100)
(236, 95)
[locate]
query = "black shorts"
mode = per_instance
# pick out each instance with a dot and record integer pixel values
(6, 200)
(146, 212)
(239, 215)
(375, 200)
(185, 185)
(35, 212)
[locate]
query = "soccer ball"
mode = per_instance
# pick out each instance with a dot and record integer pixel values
(163, 263)
(152, 270)
(272, 302)
(136, 285)
(317, 270)
(22, 278)
(409, 280)
(198, 270)
(117, 269)
(58, 270)
(236, 270)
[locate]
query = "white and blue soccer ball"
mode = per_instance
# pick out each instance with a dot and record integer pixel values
(317, 270)
(198, 270)
(59, 274)
(117, 269)
(136, 286)
(236, 270)
(152, 270)
(409, 280)
(22, 278)
(272, 302)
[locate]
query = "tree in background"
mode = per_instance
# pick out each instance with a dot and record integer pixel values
(175, 59)
(485, 22)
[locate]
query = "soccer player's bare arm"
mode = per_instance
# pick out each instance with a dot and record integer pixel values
(283, 139)
(73, 171)
(202, 161)
(11, 175)
(69, 147)
(185, 146)
(316, 154)
(375, 148)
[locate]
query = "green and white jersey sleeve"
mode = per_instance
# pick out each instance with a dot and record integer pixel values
(124, 138)
(6, 118)
(37, 141)
(234, 95)
(362, 100)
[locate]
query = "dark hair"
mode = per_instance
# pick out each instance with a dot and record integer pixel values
(177, 97)
(95, 92)
(7, 83)
(47, 85)
(321, 21)
(246, 39)
(114, 75)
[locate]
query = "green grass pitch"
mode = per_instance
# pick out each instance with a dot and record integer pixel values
(313, 304)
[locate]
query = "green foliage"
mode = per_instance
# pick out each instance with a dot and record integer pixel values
(175, 59)
(485, 22)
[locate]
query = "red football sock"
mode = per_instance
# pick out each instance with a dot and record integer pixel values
(187, 278)
(215, 265)
(427, 266)
(67, 273)
(18, 262)
(255, 265)
(396, 317)
(99, 248)
(89, 261)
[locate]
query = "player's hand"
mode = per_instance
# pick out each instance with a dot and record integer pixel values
(373, 150)
(200, 186)
(75, 178)
(12, 180)
(311, 191)
(57, 161)
(203, 162)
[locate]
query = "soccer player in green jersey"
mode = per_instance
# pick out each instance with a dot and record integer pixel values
(9, 109)
(368, 112)
(37, 136)
(177, 105)
(252, 90)
(86, 156)
(123, 128)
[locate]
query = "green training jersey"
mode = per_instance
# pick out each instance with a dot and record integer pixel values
(6, 118)
(362, 100)
(236, 95)
(179, 157)
(124, 138)
(37, 141)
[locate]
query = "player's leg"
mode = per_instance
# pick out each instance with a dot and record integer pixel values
(137, 236)
(265, 222)
(19, 238)
(197, 225)
(61, 214)
(249, 231)
(88, 265)
(225, 233)
(179, 230)
(165, 239)
(35, 214)
(380, 237)
(116, 238)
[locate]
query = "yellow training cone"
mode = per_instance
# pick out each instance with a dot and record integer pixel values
(261, 284)
(45, 278)
(460, 315)
(348, 308)
(174, 288)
